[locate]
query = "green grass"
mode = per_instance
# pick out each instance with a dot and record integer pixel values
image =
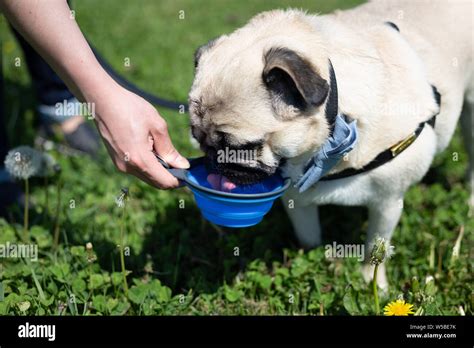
(180, 264)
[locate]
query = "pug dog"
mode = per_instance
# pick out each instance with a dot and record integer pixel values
(391, 76)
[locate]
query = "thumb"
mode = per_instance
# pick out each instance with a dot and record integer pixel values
(163, 147)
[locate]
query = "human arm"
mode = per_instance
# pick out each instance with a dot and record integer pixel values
(130, 127)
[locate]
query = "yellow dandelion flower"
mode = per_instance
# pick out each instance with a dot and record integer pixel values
(399, 308)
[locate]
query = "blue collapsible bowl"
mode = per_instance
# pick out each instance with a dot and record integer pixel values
(243, 207)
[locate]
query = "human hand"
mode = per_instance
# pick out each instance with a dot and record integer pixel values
(130, 126)
(131, 129)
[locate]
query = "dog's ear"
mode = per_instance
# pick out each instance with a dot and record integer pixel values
(201, 49)
(293, 80)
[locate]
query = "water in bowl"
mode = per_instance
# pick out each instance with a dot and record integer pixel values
(199, 174)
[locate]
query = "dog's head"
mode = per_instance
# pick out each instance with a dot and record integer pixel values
(258, 96)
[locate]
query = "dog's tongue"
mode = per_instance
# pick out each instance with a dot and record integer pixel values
(220, 182)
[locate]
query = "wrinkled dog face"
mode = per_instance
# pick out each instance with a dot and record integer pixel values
(257, 98)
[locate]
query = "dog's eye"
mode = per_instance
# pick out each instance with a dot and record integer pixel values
(197, 108)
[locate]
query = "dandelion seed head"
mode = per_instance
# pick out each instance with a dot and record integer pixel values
(120, 199)
(23, 162)
(381, 251)
(90, 253)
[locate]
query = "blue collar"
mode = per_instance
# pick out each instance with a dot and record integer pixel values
(342, 139)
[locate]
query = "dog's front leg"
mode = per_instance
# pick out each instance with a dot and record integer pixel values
(383, 218)
(305, 221)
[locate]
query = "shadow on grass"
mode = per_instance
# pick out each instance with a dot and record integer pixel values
(187, 252)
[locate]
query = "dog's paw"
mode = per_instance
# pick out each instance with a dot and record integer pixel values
(368, 273)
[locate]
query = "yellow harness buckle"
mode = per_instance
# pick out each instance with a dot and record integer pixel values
(402, 145)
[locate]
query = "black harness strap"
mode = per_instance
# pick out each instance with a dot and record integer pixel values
(332, 105)
(437, 97)
(385, 156)
(390, 153)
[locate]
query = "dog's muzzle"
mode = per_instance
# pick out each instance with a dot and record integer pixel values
(238, 173)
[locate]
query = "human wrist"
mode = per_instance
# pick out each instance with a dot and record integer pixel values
(92, 82)
(97, 88)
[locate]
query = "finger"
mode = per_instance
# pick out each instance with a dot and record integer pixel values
(154, 173)
(147, 180)
(163, 146)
